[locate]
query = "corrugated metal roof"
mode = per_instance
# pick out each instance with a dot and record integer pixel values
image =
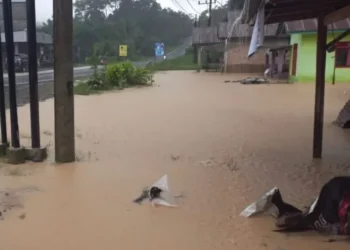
(19, 15)
(205, 35)
(310, 25)
(242, 30)
(19, 11)
(21, 37)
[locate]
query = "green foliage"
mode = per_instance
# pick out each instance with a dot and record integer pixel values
(97, 80)
(181, 63)
(115, 76)
(141, 77)
(125, 74)
(93, 60)
(105, 24)
(217, 15)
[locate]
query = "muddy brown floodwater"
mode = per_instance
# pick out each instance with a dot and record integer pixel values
(221, 144)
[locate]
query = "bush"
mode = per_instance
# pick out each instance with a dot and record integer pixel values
(117, 75)
(141, 77)
(97, 80)
(125, 74)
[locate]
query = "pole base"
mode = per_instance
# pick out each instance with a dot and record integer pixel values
(36, 154)
(16, 155)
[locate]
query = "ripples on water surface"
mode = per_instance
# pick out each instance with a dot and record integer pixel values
(234, 142)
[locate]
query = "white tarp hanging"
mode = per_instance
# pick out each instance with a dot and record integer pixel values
(166, 198)
(257, 39)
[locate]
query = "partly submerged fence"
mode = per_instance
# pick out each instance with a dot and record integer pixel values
(16, 153)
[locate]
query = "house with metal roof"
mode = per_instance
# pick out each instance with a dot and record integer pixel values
(303, 34)
(238, 37)
(327, 12)
(19, 15)
(44, 44)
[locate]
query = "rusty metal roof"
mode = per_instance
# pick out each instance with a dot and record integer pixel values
(240, 30)
(277, 11)
(205, 35)
(310, 25)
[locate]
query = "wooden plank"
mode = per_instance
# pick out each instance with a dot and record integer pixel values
(291, 17)
(337, 15)
(331, 45)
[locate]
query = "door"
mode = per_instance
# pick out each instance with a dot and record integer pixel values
(294, 59)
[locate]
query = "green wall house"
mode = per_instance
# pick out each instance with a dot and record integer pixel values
(303, 52)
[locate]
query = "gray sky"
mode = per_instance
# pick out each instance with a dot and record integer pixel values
(44, 7)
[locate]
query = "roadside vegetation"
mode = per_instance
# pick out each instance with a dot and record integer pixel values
(113, 76)
(106, 24)
(184, 62)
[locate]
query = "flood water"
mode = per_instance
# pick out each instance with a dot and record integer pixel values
(221, 144)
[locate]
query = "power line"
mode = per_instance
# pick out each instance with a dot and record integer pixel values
(179, 5)
(210, 8)
(192, 7)
(220, 3)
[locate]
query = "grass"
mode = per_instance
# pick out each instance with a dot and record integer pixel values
(180, 63)
(83, 88)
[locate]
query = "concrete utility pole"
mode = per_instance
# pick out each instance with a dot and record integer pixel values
(210, 9)
(63, 81)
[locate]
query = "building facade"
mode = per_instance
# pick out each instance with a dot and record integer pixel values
(303, 52)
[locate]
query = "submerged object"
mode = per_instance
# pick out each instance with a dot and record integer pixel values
(158, 194)
(329, 213)
(272, 203)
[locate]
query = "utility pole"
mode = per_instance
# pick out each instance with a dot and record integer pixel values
(195, 48)
(63, 81)
(210, 3)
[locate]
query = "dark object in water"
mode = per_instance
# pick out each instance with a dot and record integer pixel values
(143, 196)
(284, 209)
(251, 80)
(150, 194)
(154, 193)
(331, 213)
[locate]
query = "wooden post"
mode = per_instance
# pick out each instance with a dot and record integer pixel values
(63, 81)
(267, 60)
(273, 63)
(199, 60)
(320, 87)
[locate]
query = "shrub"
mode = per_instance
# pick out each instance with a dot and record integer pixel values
(141, 77)
(97, 80)
(115, 75)
(125, 74)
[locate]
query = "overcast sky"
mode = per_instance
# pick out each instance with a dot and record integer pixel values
(44, 7)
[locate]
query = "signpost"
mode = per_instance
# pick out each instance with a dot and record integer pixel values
(159, 49)
(123, 50)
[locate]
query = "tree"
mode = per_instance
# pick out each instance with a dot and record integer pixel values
(105, 24)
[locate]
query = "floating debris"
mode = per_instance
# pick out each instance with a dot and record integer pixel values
(329, 213)
(158, 194)
(22, 216)
(174, 158)
(250, 80)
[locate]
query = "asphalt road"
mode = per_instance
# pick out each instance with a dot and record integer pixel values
(46, 76)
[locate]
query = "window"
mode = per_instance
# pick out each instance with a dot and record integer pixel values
(342, 55)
